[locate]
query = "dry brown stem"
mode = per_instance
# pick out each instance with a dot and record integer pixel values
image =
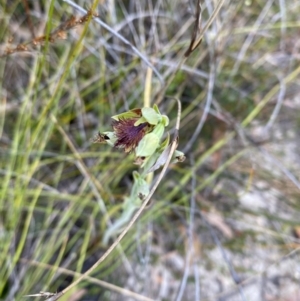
(59, 33)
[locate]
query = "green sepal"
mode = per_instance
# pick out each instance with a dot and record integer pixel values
(151, 115)
(147, 146)
(134, 113)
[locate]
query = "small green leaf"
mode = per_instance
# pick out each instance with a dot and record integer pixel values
(151, 116)
(147, 145)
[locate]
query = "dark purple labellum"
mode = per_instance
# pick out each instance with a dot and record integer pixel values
(128, 135)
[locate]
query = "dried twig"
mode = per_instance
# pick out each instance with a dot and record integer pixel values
(59, 33)
(196, 30)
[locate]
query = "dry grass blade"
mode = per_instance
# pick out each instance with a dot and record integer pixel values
(59, 33)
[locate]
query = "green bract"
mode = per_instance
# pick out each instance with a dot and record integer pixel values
(150, 161)
(161, 159)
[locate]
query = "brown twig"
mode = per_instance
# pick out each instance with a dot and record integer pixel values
(59, 33)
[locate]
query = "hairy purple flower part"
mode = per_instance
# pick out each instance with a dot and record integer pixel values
(129, 135)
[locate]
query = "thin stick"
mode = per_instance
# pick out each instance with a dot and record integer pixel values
(174, 145)
(102, 283)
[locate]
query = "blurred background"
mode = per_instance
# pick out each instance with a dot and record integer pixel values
(223, 225)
